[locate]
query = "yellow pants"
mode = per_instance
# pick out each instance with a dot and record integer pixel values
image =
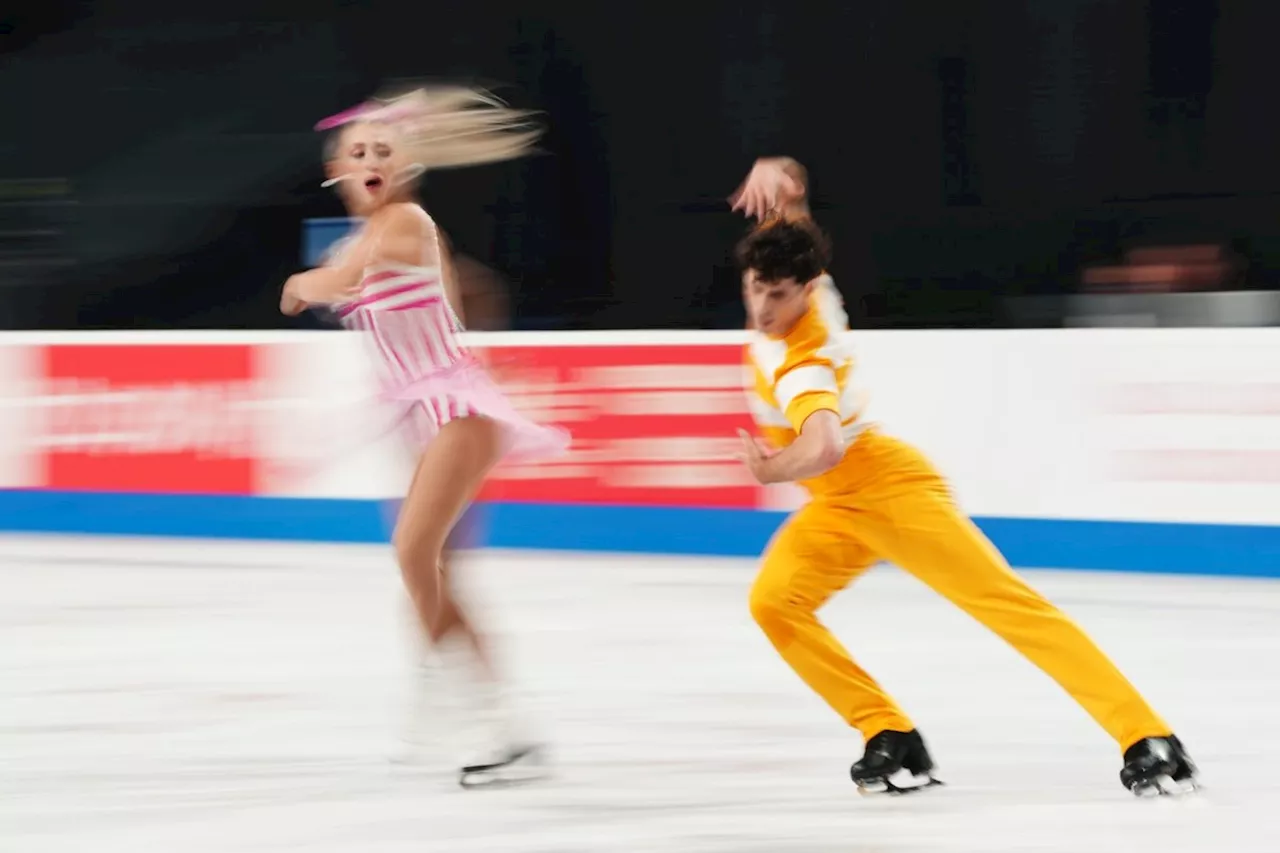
(898, 508)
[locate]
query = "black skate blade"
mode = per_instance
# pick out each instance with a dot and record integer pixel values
(897, 785)
(519, 767)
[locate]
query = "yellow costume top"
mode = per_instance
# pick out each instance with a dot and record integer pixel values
(809, 369)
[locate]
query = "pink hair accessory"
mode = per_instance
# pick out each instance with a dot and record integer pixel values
(345, 117)
(404, 107)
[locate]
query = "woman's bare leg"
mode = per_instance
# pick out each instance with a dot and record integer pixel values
(450, 472)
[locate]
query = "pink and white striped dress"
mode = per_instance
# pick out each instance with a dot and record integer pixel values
(425, 369)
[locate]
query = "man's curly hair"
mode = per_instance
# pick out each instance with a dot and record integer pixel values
(780, 249)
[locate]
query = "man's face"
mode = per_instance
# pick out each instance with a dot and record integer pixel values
(774, 307)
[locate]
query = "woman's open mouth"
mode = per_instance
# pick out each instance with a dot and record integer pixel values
(372, 184)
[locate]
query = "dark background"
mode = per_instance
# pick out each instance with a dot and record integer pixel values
(156, 161)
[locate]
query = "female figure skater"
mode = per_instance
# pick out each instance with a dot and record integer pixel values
(393, 282)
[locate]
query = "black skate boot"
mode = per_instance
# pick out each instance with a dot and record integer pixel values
(1158, 766)
(894, 763)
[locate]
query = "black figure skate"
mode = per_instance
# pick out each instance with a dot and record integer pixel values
(1158, 766)
(894, 763)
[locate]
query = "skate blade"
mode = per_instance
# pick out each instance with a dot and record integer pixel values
(481, 781)
(1165, 785)
(900, 783)
(522, 768)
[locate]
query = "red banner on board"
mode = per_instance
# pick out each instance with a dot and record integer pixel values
(651, 425)
(148, 418)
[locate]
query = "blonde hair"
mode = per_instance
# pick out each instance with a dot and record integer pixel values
(446, 127)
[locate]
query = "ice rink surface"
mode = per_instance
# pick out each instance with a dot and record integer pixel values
(225, 697)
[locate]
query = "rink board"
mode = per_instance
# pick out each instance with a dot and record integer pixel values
(1135, 450)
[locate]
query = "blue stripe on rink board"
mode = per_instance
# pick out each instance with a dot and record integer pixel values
(1209, 549)
(200, 516)
(1205, 549)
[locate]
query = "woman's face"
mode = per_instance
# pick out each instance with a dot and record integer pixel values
(369, 158)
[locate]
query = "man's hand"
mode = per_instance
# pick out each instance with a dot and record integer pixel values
(815, 451)
(768, 188)
(755, 454)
